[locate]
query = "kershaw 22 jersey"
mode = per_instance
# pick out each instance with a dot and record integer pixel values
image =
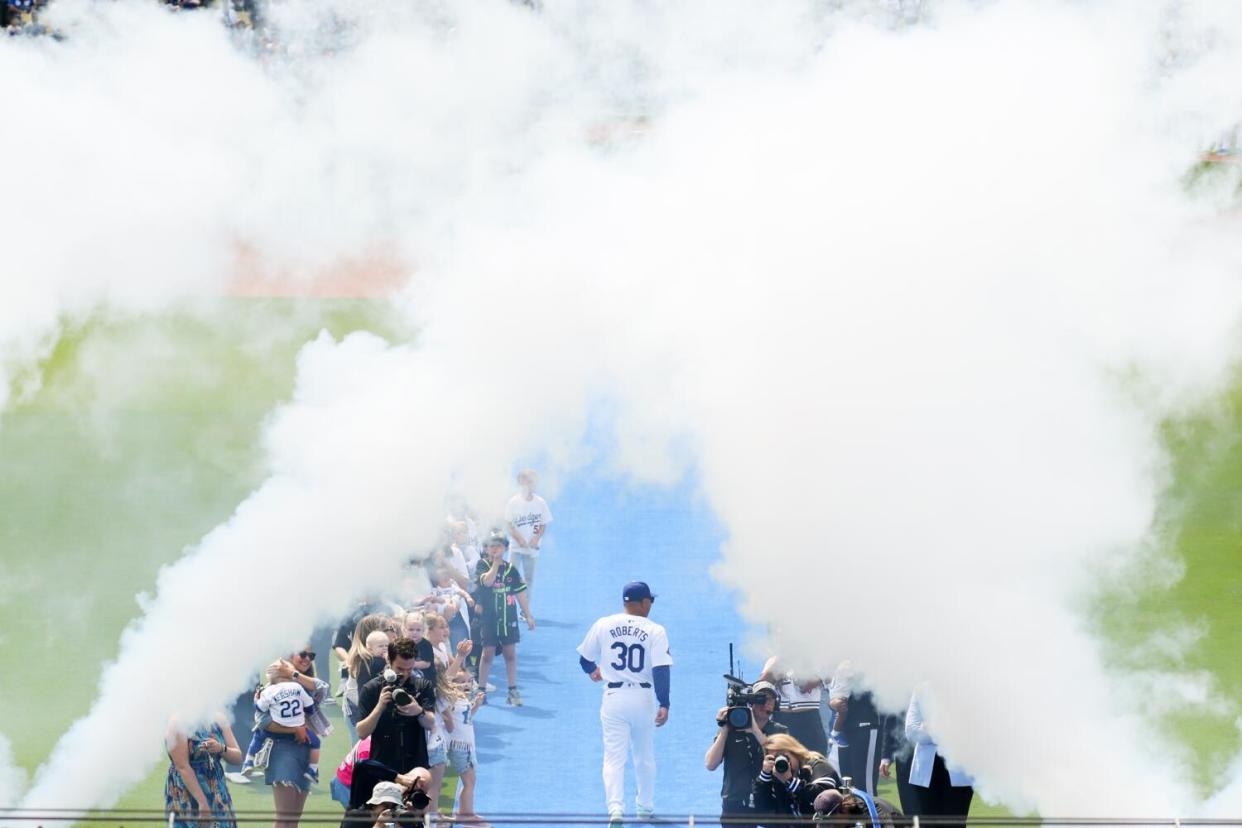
(625, 648)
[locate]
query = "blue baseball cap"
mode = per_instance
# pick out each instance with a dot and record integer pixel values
(636, 591)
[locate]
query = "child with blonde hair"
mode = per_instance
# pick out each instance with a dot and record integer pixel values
(460, 698)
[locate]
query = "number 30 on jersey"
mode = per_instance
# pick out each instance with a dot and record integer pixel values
(632, 657)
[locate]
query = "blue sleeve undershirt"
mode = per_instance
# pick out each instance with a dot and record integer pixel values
(588, 667)
(661, 675)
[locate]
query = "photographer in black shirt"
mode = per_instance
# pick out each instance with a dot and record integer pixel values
(741, 752)
(395, 707)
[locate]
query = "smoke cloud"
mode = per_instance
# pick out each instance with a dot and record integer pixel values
(12, 779)
(910, 299)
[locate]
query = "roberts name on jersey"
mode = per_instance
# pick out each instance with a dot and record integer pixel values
(625, 630)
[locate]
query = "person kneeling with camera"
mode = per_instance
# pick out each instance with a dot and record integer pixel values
(390, 806)
(791, 778)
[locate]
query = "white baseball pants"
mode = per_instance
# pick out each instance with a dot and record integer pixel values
(628, 718)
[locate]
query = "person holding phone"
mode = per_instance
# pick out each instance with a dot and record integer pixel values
(195, 792)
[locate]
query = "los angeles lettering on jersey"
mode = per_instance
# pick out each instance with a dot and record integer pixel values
(638, 633)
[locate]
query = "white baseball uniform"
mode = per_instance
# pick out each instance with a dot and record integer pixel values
(286, 703)
(625, 648)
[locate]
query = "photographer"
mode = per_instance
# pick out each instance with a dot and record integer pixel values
(390, 806)
(833, 806)
(790, 778)
(395, 707)
(741, 752)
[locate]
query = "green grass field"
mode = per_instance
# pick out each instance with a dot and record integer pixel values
(145, 434)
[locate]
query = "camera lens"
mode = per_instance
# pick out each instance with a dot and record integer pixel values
(419, 800)
(781, 764)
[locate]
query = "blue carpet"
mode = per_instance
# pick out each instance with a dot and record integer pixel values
(546, 757)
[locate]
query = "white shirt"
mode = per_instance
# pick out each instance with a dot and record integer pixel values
(625, 647)
(462, 735)
(451, 592)
(470, 547)
(526, 516)
(286, 703)
(925, 747)
(457, 560)
(843, 681)
(443, 656)
(794, 699)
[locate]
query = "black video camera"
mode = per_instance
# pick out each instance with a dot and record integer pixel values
(739, 699)
(400, 695)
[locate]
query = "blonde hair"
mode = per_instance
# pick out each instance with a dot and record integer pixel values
(788, 745)
(358, 647)
(448, 689)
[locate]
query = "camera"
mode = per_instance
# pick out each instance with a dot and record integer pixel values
(739, 699)
(402, 817)
(781, 764)
(400, 696)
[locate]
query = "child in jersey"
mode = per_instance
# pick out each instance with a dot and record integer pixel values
(444, 591)
(287, 703)
(839, 691)
(459, 699)
(416, 631)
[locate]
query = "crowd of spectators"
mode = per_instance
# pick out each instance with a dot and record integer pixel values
(413, 673)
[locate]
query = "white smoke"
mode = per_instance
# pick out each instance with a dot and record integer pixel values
(911, 299)
(12, 779)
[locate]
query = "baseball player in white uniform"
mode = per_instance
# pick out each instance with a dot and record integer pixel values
(630, 654)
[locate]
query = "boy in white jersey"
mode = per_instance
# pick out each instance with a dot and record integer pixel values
(527, 516)
(630, 654)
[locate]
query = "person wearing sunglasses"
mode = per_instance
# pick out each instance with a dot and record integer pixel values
(294, 729)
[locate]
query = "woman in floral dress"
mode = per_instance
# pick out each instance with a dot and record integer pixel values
(195, 785)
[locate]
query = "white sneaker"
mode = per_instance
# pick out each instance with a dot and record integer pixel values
(615, 817)
(261, 758)
(490, 688)
(237, 778)
(645, 813)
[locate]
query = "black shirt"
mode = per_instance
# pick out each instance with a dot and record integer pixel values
(367, 774)
(743, 759)
(370, 668)
(344, 636)
(498, 604)
(427, 652)
(772, 796)
(398, 741)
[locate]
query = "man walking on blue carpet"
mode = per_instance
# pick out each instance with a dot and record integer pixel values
(630, 653)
